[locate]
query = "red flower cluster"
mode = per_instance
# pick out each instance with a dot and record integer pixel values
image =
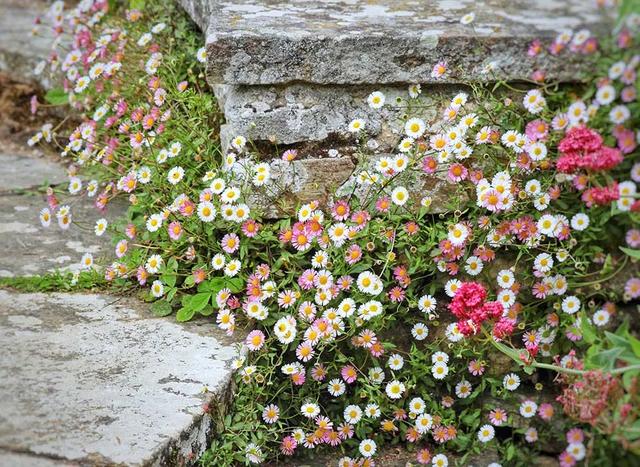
(601, 196)
(471, 307)
(590, 397)
(583, 148)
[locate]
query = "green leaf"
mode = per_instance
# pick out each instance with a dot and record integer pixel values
(185, 314)
(235, 284)
(207, 311)
(199, 301)
(169, 279)
(607, 267)
(137, 4)
(606, 359)
(630, 252)
(171, 293)
(189, 281)
(635, 345)
(161, 308)
(588, 331)
(56, 96)
(633, 432)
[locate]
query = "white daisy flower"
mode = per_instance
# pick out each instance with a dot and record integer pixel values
(427, 303)
(175, 175)
(395, 389)
(486, 433)
(505, 279)
(310, 410)
(87, 261)
(352, 414)
(101, 227)
(356, 125)
(571, 304)
(601, 317)
(400, 195)
(419, 331)
(367, 448)
(154, 222)
(201, 54)
(396, 362)
(206, 211)
(424, 422)
(157, 289)
(580, 222)
(376, 100)
(439, 370)
(414, 127)
(511, 382)
(528, 408)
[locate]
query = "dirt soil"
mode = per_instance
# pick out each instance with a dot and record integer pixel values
(17, 123)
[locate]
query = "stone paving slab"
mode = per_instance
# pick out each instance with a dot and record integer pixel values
(21, 170)
(386, 41)
(35, 249)
(20, 51)
(18, 459)
(94, 379)
(289, 114)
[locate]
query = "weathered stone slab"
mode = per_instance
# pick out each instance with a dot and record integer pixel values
(20, 50)
(304, 113)
(385, 41)
(35, 249)
(17, 459)
(94, 379)
(21, 171)
(300, 182)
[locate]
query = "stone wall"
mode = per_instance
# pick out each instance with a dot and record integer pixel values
(294, 74)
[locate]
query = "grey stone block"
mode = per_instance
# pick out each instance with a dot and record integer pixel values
(20, 51)
(97, 380)
(384, 41)
(309, 113)
(299, 182)
(20, 170)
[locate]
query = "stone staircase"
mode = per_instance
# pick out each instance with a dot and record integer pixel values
(94, 379)
(294, 74)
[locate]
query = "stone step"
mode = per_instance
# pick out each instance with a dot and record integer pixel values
(309, 113)
(22, 169)
(260, 42)
(97, 380)
(294, 74)
(39, 250)
(20, 50)
(34, 248)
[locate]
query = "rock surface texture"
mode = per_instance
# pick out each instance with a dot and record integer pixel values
(97, 380)
(295, 73)
(382, 41)
(34, 248)
(20, 50)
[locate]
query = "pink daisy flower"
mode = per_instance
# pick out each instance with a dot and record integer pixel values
(255, 340)
(230, 243)
(349, 374)
(439, 69)
(457, 172)
(175, 230)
